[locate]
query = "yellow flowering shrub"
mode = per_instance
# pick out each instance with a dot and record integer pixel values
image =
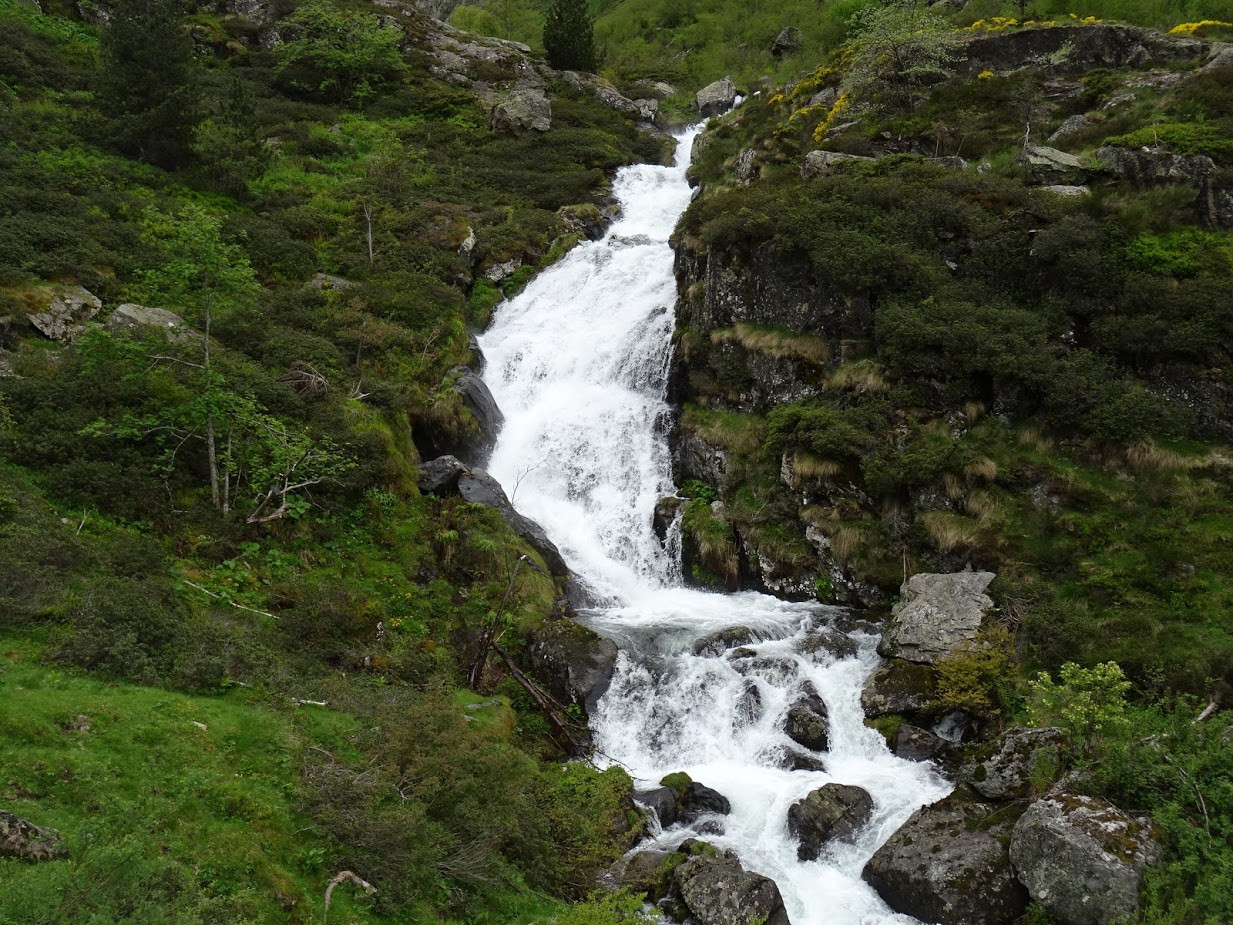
(1190, 28)
(985, 75)
(841, 105)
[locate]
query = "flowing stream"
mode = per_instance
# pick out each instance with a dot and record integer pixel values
(578, 364)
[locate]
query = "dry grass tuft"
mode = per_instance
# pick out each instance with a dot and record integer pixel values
(1032, 437)
(952, 485)
(782, 345)
(982, 504)
(982, 467)
(973, 411)
(807, 466)
(1149, 456)
(861, 376)
(950, 532)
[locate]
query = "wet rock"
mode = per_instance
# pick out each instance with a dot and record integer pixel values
(478, 487)
(949, 864)
(666, 511)
(796, 760)
(1051, 166)
(807, 722)
(916, 744)
(574, 661)
(719, 642)
(700, 800)
(833, 811)
(719, 891)
(65, 319)
(662, 801)
(899, 687)
(823, 163)
(748, 705)
(522, 111)
(778, 669)
(134, 319)
(717, 98)
(483, 407)
(440, 475)
(1082, 859)
(644, 872)
(1019, 756)
(834, 645)
(28, 842)
(936, 615)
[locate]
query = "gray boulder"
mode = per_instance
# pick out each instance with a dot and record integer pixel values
(1019, 756)
(898, 687)
(643, 873)
(28, 842)
(66, 317)
(440, 475)
(949, 864)
(1049, 166)
(807, 722)
(912, 743)
(717, 98)
(522, 111)
(795, 759)
(701, 800)
(478, 487)
(1149, 166)
(1221, 55)
(936, 615)
(1074, 124)
(720, 641)
(574, 661)
(483, 407)
(1067, 192)
(833, 811)
(717, 890)
(1082, 859)
(828, 644)
(134, 319)
(788, 42)
(823, 163)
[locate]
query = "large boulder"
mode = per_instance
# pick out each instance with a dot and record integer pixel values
(574, 661)
(1018, 758)
(66, 317)
(1051, 167)
(833, 811)
(912, 743)
(701, 800)
(720, 641)
(483, 407)
(823, 163)
(899, 687)
(936, 615)
(27, 841)
(717, 890)
(788, 42)
(807, 722)
(644, 872)
(522, 111)
(662, 801)
(478, 487)
(717, 98)
(1082, 859)
(440, 476)
(1149, 166)
(138, 319)
(949, 864)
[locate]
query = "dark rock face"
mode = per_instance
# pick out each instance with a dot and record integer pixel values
(666, 511)
(832, 811)
(699, 800)
(662, 801)
(27, 841)
(786, 43)
(1082, 859)
(478, 487)
(719, 891)
(1077, 49)
(719, 642)
(949, 864)
(796, 760)
(1149, 166)
(832, 645)
(807, 722)
(440, 476)
(936, 615)
(574, 661)
(1020, 754)
(483, 407)
(915, 744)
(898, 687)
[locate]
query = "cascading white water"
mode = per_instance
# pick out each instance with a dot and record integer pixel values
(578, 364)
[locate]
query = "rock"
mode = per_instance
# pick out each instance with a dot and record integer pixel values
(66, 317)
(717, 98)
(1082, 859)
(699, 800)
(913, 743)
(1019, 754)
(575, 661)
(28, 842)
(786, 43)
(746, 166)
(1149, 166)
(643, 873)
(898, 687)
(834, 645)
(483, 407)
(648, 110)
(1076, 49)
(499, 272)
(807, 722)
(654, 89)
(325, 282)
(936, 615)
(522, 111)
(1220, 56)
(823, 163)
(586, 219)
(1216, 206)
(748, 708)
(949, 864)
(719, 891)
(721, 641)
(796, 760)
(1073, 125)
(1069, 192)
(666, 511)
(950, 162)
(833, 811)
(1051, 166)
(440, 476)
(478, 487)
(662, 801)
(133, 319)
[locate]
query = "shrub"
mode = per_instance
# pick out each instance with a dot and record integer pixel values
(1087, 702)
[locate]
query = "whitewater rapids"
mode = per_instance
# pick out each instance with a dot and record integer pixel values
(578, 364)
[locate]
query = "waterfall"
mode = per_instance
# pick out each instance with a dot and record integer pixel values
(578, 364)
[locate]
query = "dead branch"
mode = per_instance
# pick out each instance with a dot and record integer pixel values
(305, 380)
(227, 600)
(1207, 712)
(345, 877)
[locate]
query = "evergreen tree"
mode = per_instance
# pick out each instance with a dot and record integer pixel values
(147, 86)
(569, 36)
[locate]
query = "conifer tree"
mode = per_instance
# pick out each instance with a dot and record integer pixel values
(569, 36)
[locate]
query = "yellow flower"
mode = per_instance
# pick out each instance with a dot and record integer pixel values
(1190, 28)
(984, 75)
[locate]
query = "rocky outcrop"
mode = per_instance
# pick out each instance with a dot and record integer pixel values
(65, 319)
(1020, 757)
(1077, 49)
(522, 111)
(823, 163)
(28, 842)
(1082, 859)
(898, 687)
(136, 319)
(1150, 166)
(717, 890)
(440, 476)
(1049, 166)
(717, 98)
(483, 407)
(936, 615)
(788, 42)
(833, 811)
(949, 864)
(807, 722)
(575, 661)
(912, 743)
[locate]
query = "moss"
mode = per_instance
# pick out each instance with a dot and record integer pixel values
(888, 726)
(677, 782)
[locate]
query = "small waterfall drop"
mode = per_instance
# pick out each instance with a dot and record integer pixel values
(578, 364)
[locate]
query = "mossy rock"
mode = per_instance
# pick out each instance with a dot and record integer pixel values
(900, 687)
(678, 782)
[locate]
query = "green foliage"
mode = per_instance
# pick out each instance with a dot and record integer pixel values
(338, 54)
(1086, 702)
(1181, 138)
(980, 677)
(569, 36)
(896, 49)
(1181, 253)
(697, 490)
(677, 782)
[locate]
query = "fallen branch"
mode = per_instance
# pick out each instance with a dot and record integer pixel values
(345, 877)
(309, 703)
(1207, 712)
(227, 600)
